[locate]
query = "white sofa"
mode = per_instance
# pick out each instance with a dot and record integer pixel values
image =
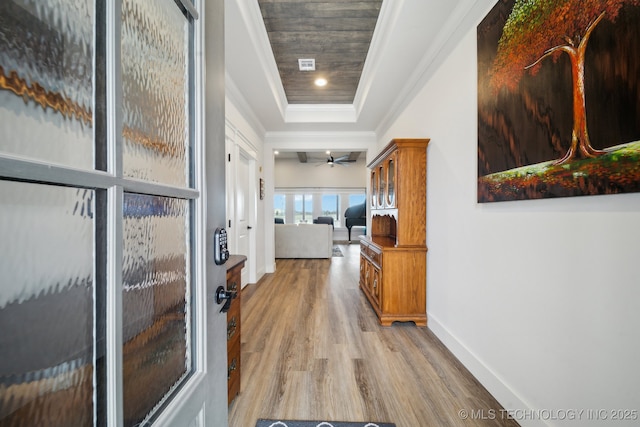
(304, 240)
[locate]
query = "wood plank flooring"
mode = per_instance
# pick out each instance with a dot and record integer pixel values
(312, 349)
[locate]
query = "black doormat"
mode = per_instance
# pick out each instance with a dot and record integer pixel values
(296, 423)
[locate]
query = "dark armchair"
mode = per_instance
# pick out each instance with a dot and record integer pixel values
(324, 220)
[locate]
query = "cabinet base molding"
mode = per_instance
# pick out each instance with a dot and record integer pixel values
(388, 319)
(418, 320)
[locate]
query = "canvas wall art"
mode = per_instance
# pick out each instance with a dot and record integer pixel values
(558, 99)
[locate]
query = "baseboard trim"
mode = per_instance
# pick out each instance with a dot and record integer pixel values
(270, 268)
(261, 272)
(508, 398)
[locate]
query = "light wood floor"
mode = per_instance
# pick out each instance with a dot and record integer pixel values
(312, 349)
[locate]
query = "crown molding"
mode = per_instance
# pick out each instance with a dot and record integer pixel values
(459, 22)
(387, 19)
(233, 95)
(252, 17)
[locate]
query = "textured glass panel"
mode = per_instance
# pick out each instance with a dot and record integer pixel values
(156, 353)
(155, 91)
(46, 80)
(46, 305)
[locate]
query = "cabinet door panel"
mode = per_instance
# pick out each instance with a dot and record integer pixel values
(363, 269)
(376, 285)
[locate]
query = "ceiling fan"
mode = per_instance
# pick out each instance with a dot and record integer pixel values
(342, 160)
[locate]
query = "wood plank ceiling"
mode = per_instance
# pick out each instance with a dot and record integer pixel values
(336, 33)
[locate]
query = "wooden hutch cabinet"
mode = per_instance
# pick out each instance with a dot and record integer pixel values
(393, 260)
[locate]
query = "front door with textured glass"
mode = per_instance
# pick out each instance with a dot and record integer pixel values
(101, 222)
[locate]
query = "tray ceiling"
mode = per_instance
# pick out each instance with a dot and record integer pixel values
(336, 33)
(409, 40)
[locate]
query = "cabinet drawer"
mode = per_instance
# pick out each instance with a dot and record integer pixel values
(233, 358)
(233, 370)
(375, 255)
(233, 325)
(233, 388)
(363, 248)
(233, 283)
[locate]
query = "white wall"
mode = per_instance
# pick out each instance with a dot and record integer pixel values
(290, 173)
(539, 299)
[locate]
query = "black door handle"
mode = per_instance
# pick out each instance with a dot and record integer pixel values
(249, 227)
(226, 296)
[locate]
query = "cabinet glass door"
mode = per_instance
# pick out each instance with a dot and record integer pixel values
(381, 186)
(391, 183)
(374, 188)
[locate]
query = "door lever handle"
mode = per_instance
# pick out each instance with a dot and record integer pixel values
(226, 296)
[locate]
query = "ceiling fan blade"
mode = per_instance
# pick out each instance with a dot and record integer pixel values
(344, 160)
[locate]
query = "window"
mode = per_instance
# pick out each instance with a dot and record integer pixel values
(303, 208)
(303, 205)
(356, 199)
(331, 206)
(279, 206)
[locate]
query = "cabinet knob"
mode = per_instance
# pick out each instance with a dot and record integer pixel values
(231, 328)
(231, 368)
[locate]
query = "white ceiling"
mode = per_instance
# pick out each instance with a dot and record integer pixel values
(410, 39)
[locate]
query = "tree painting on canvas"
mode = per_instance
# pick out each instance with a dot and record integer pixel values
(558, 99)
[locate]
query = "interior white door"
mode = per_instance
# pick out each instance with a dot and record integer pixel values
(243, 211)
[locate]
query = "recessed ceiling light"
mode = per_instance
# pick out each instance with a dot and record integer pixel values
(276, 152)
(321, 82)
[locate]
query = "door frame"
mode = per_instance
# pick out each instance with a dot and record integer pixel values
(202, 400)
(237, 145)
